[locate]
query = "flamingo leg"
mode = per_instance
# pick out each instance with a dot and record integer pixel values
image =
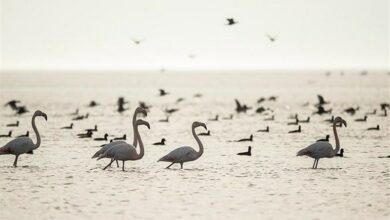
(117, 164)
(16, 160)
(181, 165)
(123, 165)
(317, 163)
(169, 165)
(112, 160)
(314, 163)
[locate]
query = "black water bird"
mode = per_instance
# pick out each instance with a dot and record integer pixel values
(371, 113)
(93, 104)
(81, 117)
(21, 110)
(120, 138)
(264, 130)
(102, 139)
(172, 110)
(7, 135)
(228, 118)
(164, 120)
(12, 104)
(296, 131)
(86, 135)
(270, 119)
(13, 124)
(163, 92)
(374, 128)
(25, 135)
(272, 38)
(231, 21)
(246, 139)
(304, 121)
(241, 108)
(68, 127)
(351, 110)
(294, 123)
(321, 110)
(95, 128)
(324, 139)
(214, 119)
(321, 100)
(341, 154)
(247, 153)
(162, 142)
(362, 119)
(330, 120)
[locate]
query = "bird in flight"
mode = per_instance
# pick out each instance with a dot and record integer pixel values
(272, 38)
(136, 41)
(231, 21)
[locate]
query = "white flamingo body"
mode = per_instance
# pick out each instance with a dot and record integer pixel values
(323, 149)
(124, 151)
(23, 145)
(108, 146)
(185, 153)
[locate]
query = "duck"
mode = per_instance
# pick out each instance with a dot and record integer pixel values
(247, 153)
(362, 119)
(214, 119)
(68, 127)
(13, 124)
(296, 131)
(25, 135)
(246, 139)
(264, 130)
(7, 135)
(164, 120)
(272, 118)
(205, 133)
(324, 139)
(374, 128)
(120, 138)
(102, 139)
(162, 142)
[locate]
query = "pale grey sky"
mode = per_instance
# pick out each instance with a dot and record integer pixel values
(96, 34)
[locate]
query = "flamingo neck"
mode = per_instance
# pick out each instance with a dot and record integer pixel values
(200, 152)
(336, 137)
(36, 132)
(141, 145)
(134, 133)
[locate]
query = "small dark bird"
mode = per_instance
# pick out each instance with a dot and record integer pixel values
(25, 135)
(163, 92)
(321, 100)
(136, 41)
(321, 111)
(164, 120)
(198, 95)
(228, 118)
(351, 110)
(7, 135)
(330, 120)
(205, 133)
(13, 124)
(304, 121)
(264, 130)
(86, 135)
(296, 131)
(260, 100)
(75, 113)
(270, 119)
(241, 108)
(214, 119)
(246, 139)
(341, 154)
(371, 113)
(294, 123)
(21, 110)
(68, 127)
(179, 100)
(231, 21)
(120, 138)
(248, 153)
(260, 110)
(272, 98)
(121, 105)
(293, 116)
(12, 104)
(362, 119)
(172, 110)
(325, 139)
(374, 128)
(81, 117)
(162, 142)
(144, 105)
(272, 38)
(102, 139)
(93, 104)
(92, 129)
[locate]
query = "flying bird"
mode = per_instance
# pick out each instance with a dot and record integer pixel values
(231, 21)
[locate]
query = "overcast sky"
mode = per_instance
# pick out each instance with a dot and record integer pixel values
(97, 34)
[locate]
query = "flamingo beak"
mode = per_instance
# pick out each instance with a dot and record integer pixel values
(344, 123)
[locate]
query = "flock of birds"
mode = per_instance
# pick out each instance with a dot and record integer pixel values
(117, 149)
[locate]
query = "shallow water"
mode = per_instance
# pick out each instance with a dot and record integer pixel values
(60, 181)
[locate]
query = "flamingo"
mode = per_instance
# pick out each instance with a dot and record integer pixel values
(124, 151)
(23, 145)
(108, 146)
(323, 149)
(185, 153)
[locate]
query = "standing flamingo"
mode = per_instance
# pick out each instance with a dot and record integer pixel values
(124, 151)
(322, 148)
(23, 145)
(185, 154)
(105, 147)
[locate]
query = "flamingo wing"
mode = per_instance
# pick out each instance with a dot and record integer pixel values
(180, 154)
(317, 150)
(18, 146)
